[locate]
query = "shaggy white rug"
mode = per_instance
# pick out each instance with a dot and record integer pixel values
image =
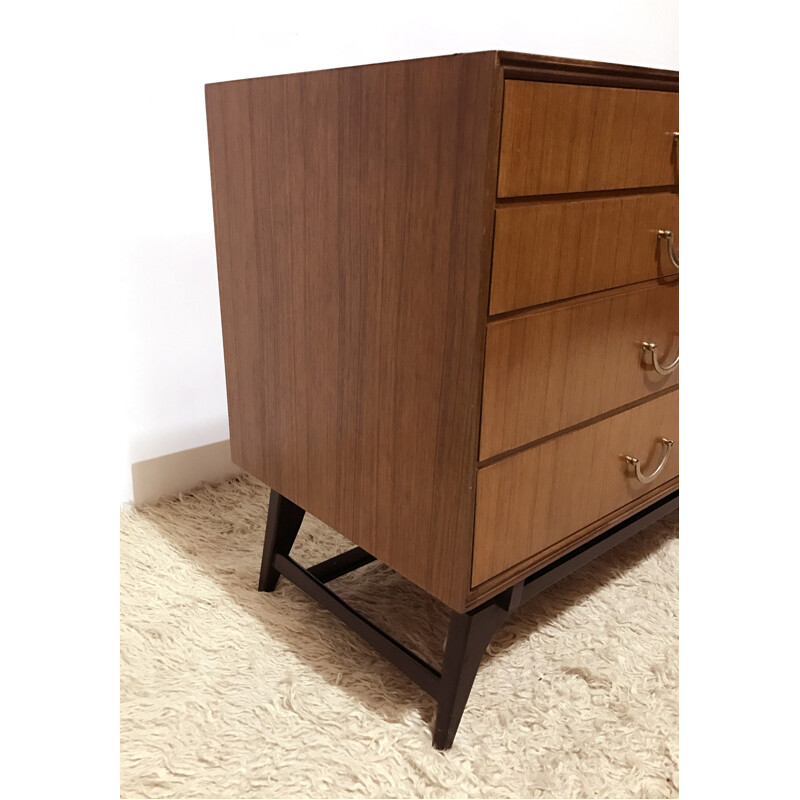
(227, 692)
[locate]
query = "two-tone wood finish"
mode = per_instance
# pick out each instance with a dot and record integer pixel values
(551, 369)
(558, 138)
(353, 213)
(541, 496)
(587, 178)
(553, 69)
(355, 218)
(551, 250)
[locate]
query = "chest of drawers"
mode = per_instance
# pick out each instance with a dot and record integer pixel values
(450, 307)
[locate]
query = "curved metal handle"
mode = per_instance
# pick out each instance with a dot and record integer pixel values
(640, 476)
(670, 238)
(661, 369)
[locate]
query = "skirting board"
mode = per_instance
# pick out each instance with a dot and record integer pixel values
(179, 472)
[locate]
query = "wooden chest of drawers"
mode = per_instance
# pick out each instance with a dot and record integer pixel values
(450, 319)
(436, 279)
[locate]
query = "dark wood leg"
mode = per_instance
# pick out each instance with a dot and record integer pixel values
(283, 522)
(469, 634)
(467, 639)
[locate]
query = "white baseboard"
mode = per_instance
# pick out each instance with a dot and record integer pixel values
(179, 472)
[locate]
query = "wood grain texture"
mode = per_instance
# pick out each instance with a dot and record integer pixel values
(354, 213)
(553, 69)
(550, 369)
(563, 138)
(530, 501)
(522, 569)
(552, 250)
(353, 222)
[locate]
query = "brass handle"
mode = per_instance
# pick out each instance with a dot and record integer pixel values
(661, 369)
(669, 236)
(640, 476)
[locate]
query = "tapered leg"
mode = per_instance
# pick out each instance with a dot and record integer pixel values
(467, 640)
(283, 522)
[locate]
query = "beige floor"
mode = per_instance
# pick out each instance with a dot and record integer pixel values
(226, 692)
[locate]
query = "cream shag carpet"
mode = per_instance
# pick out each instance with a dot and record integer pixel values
(228, 692)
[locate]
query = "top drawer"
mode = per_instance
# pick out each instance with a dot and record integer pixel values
(559, 138)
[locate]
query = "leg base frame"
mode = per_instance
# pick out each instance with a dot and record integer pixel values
(469, 633)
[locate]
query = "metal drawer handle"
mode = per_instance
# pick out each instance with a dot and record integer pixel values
(661, 369)
(670, 238)
(642, 478)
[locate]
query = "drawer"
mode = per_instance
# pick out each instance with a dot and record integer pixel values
(553, 368)
(540, 497)
(565, 138)
(558, 249)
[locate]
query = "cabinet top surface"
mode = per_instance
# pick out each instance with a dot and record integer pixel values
(538, 67)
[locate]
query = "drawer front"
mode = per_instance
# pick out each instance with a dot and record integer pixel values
(565, 138)
(554, 368)
(554, 250)
(531, 501)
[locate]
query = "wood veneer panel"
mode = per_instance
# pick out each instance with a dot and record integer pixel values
(352, 213)
(553, 250)
(520, 570)
(571, 70)
(567, 138)
(554, 368)
(530, 501)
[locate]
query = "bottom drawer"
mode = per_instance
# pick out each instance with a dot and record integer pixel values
(529, 502)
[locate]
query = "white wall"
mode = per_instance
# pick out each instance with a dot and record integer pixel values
(174, 379)
(102, 161)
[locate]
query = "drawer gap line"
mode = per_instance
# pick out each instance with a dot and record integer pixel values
(489, 460)
(534, 199)
(663, 280)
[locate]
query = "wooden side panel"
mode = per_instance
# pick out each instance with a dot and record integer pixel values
(553, 250)
(352, 212)
(554, 368)
(559, 138)
(530, 501)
